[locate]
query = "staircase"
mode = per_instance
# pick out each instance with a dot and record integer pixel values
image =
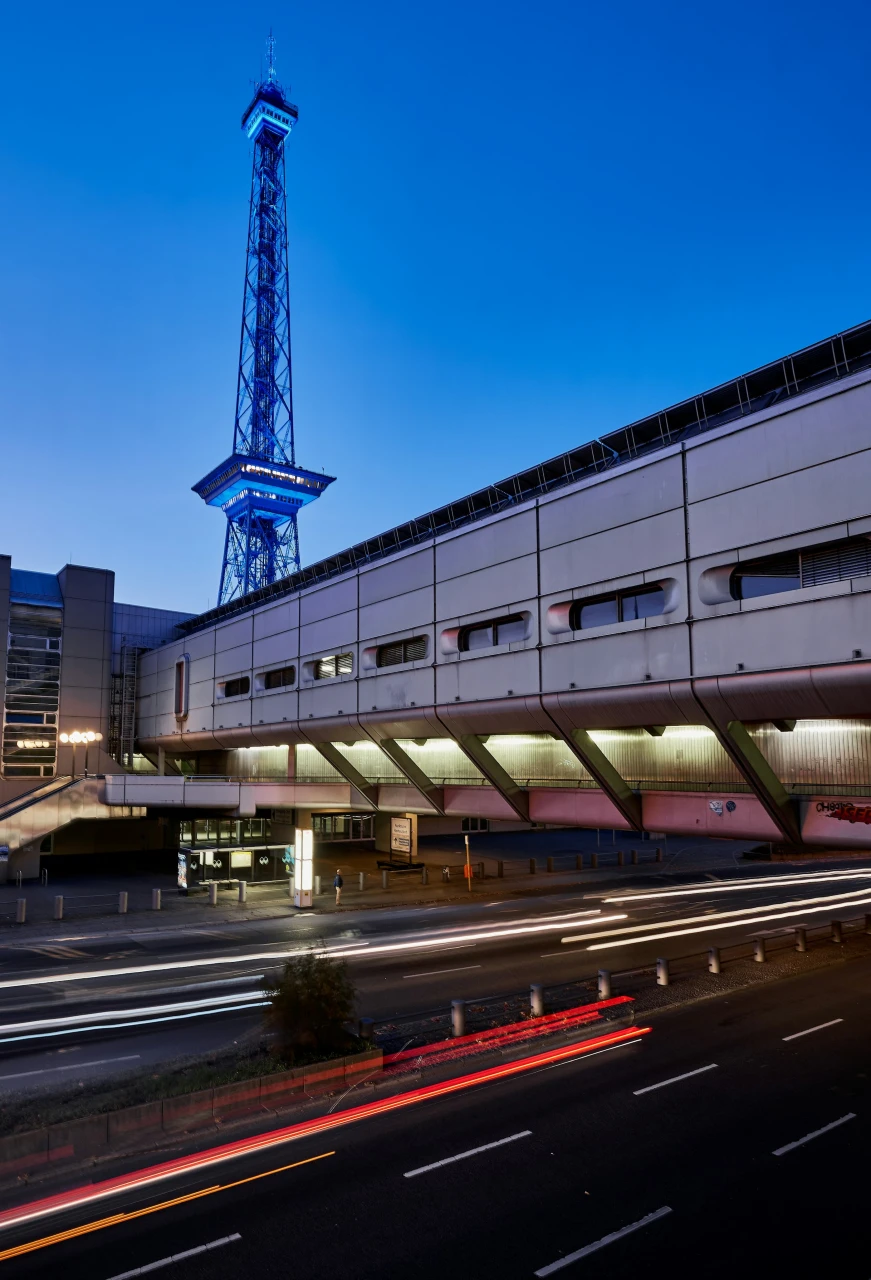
(55, 804)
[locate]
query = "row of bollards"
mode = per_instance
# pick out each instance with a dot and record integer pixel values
(634, 858)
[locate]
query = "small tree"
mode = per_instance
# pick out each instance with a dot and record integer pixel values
(309, 1004)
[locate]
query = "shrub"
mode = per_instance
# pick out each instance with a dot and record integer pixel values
(309, 1004)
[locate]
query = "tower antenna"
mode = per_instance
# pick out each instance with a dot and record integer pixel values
(260, 488)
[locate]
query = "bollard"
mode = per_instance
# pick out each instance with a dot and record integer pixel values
(59, 907)
(213, 893)
(604, 984)
(43, 875)
(500, 869)
(532, 866)
(662, 974)
(594, 860)
(384, 874)
(837, 931)
(21, 911)
(458, 1017)
(579, 862)
(659, 855)
(122, 903)
(634, 857)
(317, 886)
(366, 1025)
(362, 881)
(759, 950)
(868, 924)
(619, 857)
(713, 959)
(155, 899)
(801, 939)
(550, 864)
(243, 890)
(536, 1000)
(291, 887)
(18, 878)
(423, 879)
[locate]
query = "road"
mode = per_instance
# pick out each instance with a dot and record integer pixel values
(85, 1006)
(707, 1122)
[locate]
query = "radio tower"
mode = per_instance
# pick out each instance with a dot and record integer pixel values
(259, 487)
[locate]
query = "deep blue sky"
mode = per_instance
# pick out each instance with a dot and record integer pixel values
(513, 227)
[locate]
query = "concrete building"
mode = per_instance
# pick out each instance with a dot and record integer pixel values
(667, 629)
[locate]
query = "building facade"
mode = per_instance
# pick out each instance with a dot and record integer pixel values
(668, 629)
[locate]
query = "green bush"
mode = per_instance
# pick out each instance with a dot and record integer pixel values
(309, 1005)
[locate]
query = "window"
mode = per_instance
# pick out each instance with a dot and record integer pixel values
(339, 664)
(32, 692)
(280, 678)
(485, 635)
(235, 688)
(397, 651)
(620, 606)
(476, 824)
(811, 567)
(182, 685)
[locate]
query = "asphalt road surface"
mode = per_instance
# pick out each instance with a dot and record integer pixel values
(86, 1007)
(734, 1133)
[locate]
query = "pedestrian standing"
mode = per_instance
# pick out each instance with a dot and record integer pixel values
(338, 885)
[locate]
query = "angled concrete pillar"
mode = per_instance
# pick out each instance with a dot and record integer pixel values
(413, 772)
(331, 753)
(762, 779)
(472, 747)
(594, 760)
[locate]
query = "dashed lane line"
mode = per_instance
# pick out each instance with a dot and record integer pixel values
(600, 1244)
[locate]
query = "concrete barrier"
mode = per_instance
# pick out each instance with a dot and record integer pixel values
(234, 1101)
(282, 1089)
(135, 1124)
(190, 1111)
(79, 1138)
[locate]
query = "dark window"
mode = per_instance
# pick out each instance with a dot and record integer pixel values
(620, 606)
(397, 651)
(235, 688)
(181, 688)
(476, 824)
(832, 562)
(339, 664)
(279, 679)
(484, 635)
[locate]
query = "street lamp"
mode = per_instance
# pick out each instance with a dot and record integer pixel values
(87, 736)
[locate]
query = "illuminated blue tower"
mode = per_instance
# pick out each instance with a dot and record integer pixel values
(259, 487)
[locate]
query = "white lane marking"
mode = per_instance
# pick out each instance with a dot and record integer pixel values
(574, 1062)
(600, 1244)
(177, 1257)
(808, 1137)
(431, 973)
(72, 1066)
(464, 1155)
(551, 954)
(674, 1079)
(143, 1022)
(822, 1026)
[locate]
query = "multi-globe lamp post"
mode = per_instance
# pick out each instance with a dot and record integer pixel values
(87, 736)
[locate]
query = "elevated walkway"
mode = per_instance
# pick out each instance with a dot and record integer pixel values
(38, 813)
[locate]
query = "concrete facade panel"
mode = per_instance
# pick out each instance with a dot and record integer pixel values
(790, 636)
(274, 708)
(232, 662)
(330, 635)
(507, 538)
(276, 618)
(405, 574)
(629, 551)
(498, 588)
(615, 501)
(659, 653)
(232, 634)
(397, 615)
(327, 698)
(277, 650)
(404, 689)
(822, 495)
(327, 602)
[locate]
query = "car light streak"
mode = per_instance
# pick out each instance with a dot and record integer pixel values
(210, 1002)
(732, 886)
(116, 1219)
(489, 933)
(82, 1196)
(142, 1022)
(727, 924)
(737, 916)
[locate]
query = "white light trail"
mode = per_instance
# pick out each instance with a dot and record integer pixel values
(728, 924)
(488, 933)
(732, 886)
(737, 916)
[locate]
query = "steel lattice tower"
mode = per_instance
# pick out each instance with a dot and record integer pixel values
(259, 487)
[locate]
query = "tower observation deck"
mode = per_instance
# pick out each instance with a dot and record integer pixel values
(259, 487)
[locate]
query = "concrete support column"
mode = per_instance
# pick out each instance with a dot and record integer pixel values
(161, 759)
